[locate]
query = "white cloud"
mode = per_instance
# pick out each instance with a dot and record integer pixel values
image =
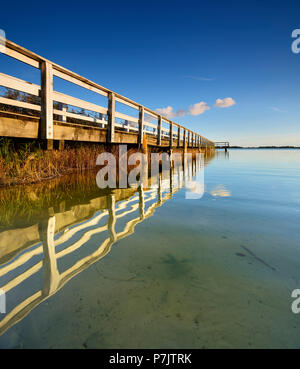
(274, 108)
(166, 112)
(198, 108)
(224, 103)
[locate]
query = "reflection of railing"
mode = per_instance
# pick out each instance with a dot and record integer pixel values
(52, 247)
(45, 102)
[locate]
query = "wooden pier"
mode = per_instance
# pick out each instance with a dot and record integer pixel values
(222, 145)
(39, 112)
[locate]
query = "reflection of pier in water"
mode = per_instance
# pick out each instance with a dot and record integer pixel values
(54, 246)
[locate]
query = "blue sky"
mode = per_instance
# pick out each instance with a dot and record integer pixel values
(179, 55)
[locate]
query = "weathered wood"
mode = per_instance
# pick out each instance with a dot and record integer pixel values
(10, 127)
(48, 69)
(21, 104)
(19, 84)
(46, 128)
(23, 58)
(125, 102)
(126, 117)
(69, 100)
(111, 118)
(64, 114)
(171, 135)
(141, 124)
(61, 145)
(159, 131)
(80, 82)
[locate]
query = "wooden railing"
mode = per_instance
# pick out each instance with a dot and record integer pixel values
(55, 103)
(221, 145)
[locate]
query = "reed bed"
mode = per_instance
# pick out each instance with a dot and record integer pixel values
(29, 163)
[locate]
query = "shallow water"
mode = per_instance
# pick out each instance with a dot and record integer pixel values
(151, 268)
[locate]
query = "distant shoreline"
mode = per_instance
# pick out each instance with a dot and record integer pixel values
(264, 147)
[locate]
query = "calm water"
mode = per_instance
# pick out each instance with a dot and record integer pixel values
(84, 268)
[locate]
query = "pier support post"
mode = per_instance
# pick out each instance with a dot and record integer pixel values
(171, 135)
(145, 145)
(159, 131)
(178, 137)
(46, 122)
(184, 140)
(141, 125)
(111, 117)
(188, 138)
(61, 145)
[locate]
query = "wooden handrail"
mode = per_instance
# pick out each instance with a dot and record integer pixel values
(50, 69)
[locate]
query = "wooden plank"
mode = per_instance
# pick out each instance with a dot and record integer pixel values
(46, 101)
(10, 127)
(19, 84)
(125, 102)
(111, 118)
(78, 116)
(151, 113)
(126, 117)
(20, 104)
(74, 101)
(69, 133)
(78, 82)
(23, 58)
(150, 124)
(141, 123)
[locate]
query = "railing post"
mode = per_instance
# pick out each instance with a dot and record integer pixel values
(141, 125)
(192, 139)
(111, 117)
(47, 233)
(141, 202)
(62, 118)
(159, 131)
(111, 205)
(184, 138)
(46, 127)
(171, 134)
(178, 137)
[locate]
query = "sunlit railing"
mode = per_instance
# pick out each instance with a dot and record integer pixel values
(49, 104)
